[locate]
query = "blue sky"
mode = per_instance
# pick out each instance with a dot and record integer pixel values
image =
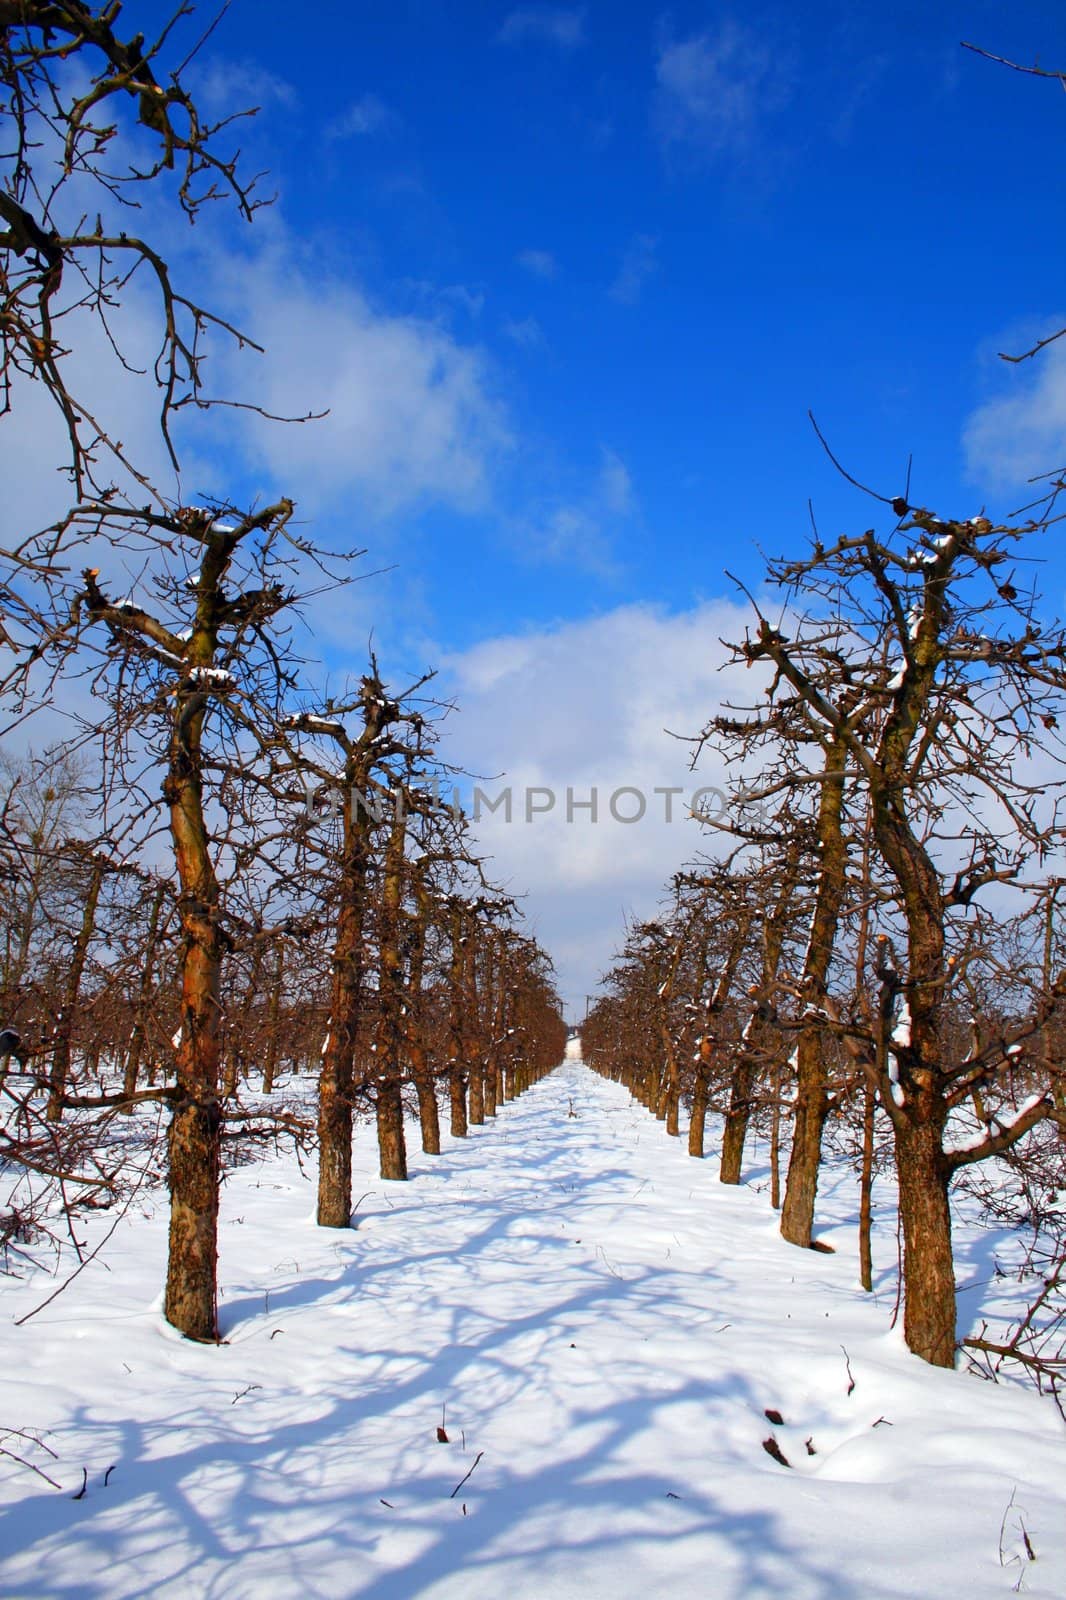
(568, 279)
(664, 235)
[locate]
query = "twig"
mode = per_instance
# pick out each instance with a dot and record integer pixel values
(90, 1257)
(885, 499)
(459, 1485)
(1015, 66)
(4, 1451)
(847, 1363)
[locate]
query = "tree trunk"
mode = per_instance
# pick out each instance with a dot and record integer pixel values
(193, 1141)
(775, 1142)
(137, 1037)
(756, 1034)
(428, 1114)
(335, 1088)
(698, 1119)
(457, 1028)
(928, 1270)
(866, 1181)
(477, 1095)
(457, 1101)
(64, 1029)
(736, 1120)
(337, 1080)
(270, 1054)
(801, 1187)
(496, 1002)
(392, 1146)
(425, 1087)
(475, 1060)
(920, 1113)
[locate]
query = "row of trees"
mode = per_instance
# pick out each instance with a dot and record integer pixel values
(262, 876)
(339, 926)
(884, 937)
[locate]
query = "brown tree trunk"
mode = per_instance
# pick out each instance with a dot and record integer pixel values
(919, 1114)
(457, 1101)
(866, 1180)
(809, 1113)
(137, 1037)
(495, 1000)
(477, 1095)
(801, 1187)
(457, 1029)
(428, 1114)
(475, 1059)
(336, 1084)
(736, 1120)
(239, 1030)
(756, 1034)
(775, 1141)
(929, 1310)
(64, 1028)
(270, 1053)
(698, 1120)
(421, 1072)
(669, 1099)
(193, 1142)
(392, 1145)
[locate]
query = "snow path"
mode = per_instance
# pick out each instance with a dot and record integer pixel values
(604, 1323)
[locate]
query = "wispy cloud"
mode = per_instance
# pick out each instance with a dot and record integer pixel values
(1021, 432)
(714, 87)
(222, 85)
(447, 299)
(524, 331)
(638, 265)
(366, 115)
(616, 485)
(541, 263)
(559, 25)
(579, 532)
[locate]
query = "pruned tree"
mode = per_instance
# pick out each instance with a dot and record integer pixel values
(379, 751)
(943, 726)
(189, 704)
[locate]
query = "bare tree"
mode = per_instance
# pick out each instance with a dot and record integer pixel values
(176, 683)
(95, 116)
(975, 688)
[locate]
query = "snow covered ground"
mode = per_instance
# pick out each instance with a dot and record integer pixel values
(599, 1325)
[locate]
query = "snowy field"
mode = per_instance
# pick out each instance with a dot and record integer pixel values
(599, 1326)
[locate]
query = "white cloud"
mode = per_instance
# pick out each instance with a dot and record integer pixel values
(1021, 432)
(540, 263)
(616, 485)
(587, 705)
(225, 86)
(411, 411)
(579, 532)
(715, 86)
(638, 265)
(524, 331)
(558, 25)
(366, 115)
